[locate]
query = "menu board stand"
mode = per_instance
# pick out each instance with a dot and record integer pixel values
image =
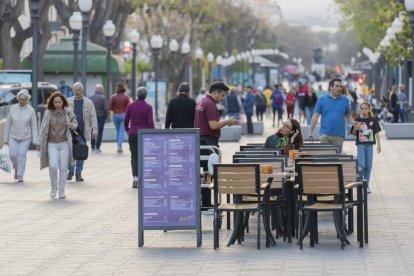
(169, 181)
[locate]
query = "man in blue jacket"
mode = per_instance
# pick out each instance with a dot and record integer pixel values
(248, 108)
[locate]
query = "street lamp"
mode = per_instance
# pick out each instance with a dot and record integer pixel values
(185, 50)
(75, 22)
(219, 63)
(108, 30)
(34, 12)
(210, 59)
(156, 44)
(173, 47)
(409, 5)
(199, 55)
(133, 37)
(85, 6)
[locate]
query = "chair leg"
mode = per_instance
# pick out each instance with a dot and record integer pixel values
(215, 230)
(311, 216)
(258, 229)
(301, 229)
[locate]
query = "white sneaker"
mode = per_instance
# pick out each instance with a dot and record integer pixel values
(119, 150)
(53, 191)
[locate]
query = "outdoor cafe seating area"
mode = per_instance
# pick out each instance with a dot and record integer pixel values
(287, 193)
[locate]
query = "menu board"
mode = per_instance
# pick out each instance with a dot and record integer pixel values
(169, 177)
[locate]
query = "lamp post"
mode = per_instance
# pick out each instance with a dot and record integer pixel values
(156, 44)
(34, 12)
(409, 5)
(75, 22)
(185, 50)
(109, 31)
(210, 59)
(85, 6)
(133, 37)
(173, 47)
(219, 63)
(199, 55)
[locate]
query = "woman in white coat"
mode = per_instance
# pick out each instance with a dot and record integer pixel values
(56, 141)
(20, 132)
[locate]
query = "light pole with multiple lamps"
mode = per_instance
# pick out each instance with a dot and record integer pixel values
(75, 22)
(156, 44)
(199, 55)
(34, 12)
(109, 31)
(210, 59)
(409, 5)
(133, 37)
(185, 50)
(85, 6)
(173, 47)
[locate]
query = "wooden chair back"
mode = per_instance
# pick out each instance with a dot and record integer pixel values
(237, 178)
(320, 178)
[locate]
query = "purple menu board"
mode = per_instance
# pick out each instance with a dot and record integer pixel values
(168, 180)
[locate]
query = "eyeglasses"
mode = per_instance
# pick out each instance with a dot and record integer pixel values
(289, 127)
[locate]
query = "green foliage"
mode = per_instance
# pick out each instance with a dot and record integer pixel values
(141, 67)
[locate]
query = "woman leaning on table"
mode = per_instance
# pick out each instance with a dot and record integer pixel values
(56, 141)
(21, 130)
(288, 137)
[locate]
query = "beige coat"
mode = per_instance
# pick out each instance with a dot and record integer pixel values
(89, 117)
(44, 134)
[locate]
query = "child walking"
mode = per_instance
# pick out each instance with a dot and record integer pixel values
(367, 134)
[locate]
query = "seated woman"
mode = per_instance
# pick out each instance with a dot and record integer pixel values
(288, 137)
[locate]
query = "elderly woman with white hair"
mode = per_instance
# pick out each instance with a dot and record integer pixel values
(20, 132)
(138, 116)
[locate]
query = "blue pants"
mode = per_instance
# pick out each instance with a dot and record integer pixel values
(101, 123)
(119, 126)
(308, 113)
(78, 163)
(365, 156)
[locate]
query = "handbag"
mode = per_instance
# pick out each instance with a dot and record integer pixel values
(80, 151)
(5, 163)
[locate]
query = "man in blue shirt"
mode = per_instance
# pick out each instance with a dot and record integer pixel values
(334, 108)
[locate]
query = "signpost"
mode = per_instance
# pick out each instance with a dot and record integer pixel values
(169, 181)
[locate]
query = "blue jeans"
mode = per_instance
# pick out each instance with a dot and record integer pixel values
(119, 126)
(78, 163)
(308, 113)
(365, 156)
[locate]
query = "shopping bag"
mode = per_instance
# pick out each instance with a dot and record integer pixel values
(5, 163)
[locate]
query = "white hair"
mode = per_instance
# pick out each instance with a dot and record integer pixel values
(78, 84)
(25, 93)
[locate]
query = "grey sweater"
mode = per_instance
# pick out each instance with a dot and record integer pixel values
(21, 124)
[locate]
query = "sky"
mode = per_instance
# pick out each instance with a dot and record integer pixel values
(319, 13)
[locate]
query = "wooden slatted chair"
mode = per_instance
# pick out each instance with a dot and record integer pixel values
(238, 180)
(321, 179)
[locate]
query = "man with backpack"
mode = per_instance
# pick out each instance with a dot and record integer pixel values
(277, 104)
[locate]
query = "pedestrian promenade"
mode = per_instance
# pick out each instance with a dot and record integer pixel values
(94, 231)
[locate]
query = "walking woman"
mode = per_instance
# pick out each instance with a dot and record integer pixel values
(393, 103)
(56, 141)
(20, 132)
(118, 104)
(138, 115)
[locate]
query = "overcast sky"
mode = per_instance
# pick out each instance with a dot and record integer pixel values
(310, 12)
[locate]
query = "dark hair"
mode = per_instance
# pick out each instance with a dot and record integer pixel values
(332, 82)
(120, 87)
(249, 86)
(299, 139)
(184, 87)
(218, 86)
(49, 102)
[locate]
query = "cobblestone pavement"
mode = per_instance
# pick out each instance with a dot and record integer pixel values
(94, 231)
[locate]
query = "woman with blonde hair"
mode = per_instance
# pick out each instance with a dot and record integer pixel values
(56, 141)
(20, 132)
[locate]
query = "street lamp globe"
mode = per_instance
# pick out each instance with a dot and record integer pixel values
(385, 42)
(391, 33)
(109, 28)
(185, 48)
(75, 21)
(85, 5)
(156, 42)
(219, 60)
(133, 36)
(397, 25)
(210, 57)
(173, 46)
(199, 53)
(409, 5)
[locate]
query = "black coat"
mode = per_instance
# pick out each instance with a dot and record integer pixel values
(180, 112)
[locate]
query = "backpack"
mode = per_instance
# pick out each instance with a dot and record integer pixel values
(278, 98)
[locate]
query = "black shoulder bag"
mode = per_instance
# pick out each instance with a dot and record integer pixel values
(80, 151)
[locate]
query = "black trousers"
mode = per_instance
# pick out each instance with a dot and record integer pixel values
(249, 123)
(101, 123)
(206, 140)
(133, 147)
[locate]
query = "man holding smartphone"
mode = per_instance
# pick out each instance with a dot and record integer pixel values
(207, 119)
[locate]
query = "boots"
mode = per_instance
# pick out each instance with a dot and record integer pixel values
(53, 191)
(62, 194)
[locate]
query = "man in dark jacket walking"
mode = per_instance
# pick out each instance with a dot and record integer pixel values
(181, 110)
(101, 107)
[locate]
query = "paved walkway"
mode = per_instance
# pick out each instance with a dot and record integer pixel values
(94, 231)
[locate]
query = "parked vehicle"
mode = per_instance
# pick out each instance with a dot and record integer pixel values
(8, 92)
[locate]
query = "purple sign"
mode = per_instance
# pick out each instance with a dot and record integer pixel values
(169, 179)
